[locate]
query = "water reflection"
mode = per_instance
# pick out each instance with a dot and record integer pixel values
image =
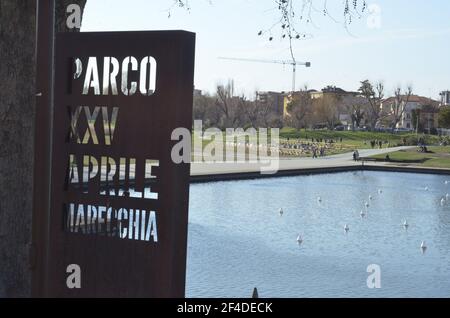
(237, 239)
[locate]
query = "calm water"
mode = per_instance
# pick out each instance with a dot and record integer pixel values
(237, 239)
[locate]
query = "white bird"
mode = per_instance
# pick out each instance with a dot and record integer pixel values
(447, 196)
(426, 189)
(362, 214)
(380, 191)
(367, 204)
(281, 212)
(319, 199)
(446, 182)
(370, 198)
(299, 239)
(405, 224)
(346, 228)
(423, 247)
(442, 201)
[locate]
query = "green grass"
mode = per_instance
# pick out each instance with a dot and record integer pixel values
(356, 137)
(350, 140)
(438, 157)
(329, 134)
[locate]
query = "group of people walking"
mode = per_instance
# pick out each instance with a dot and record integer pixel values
(318, 152)
(376, 143)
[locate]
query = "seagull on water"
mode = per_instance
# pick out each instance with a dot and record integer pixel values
(370, 198)
(319, 199)
(299, 239)
(423, 247)
(405, 224)
(443, 201)
(346, 228)
(380, 191)
(281, 212)
(363, 214)
(367, 204)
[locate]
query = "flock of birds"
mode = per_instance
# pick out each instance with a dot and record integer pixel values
(423, 246)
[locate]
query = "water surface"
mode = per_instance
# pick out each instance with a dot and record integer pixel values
(237, 239)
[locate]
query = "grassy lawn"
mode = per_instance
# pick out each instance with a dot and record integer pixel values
(343, 141)
(437, 157)
(356, 138)
(352, 140)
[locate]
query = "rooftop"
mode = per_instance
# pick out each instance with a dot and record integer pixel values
(413, 99)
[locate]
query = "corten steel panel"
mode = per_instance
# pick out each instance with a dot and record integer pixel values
(44, 89)
(111, 266)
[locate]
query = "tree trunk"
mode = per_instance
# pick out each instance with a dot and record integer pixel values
(17, 115)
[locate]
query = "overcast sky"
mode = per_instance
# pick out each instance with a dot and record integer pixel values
(410, 45)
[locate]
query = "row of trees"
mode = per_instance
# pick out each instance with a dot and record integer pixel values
(225, 110)
(363, 108)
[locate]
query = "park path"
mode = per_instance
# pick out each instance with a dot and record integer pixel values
(341, 160)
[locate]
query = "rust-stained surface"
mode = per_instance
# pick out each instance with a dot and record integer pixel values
(152, 261)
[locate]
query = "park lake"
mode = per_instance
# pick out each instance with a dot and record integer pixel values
(238, 240)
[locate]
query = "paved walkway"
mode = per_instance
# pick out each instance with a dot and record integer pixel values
(341, 160)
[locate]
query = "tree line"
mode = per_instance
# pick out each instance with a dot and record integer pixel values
(223, 109)
(310, 109)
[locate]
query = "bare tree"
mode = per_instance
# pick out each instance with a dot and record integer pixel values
(214, 115)
(200, 108)
(204, 109)
(398, 108)
(357, 115)
(374, 96)
(251, 109)
(268, 109)
(326, 110)
(299, 107)
(266, 115)
(356, 107)
(229, 105)
(295, 15)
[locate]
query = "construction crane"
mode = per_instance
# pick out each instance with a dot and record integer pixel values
(284, 62)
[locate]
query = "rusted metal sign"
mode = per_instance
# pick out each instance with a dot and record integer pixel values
(118, 203)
